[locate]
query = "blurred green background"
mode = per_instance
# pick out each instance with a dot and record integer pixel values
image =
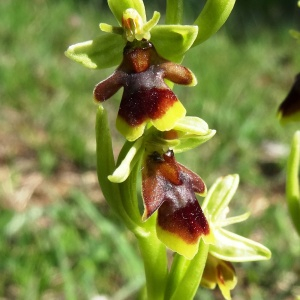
(59, 239)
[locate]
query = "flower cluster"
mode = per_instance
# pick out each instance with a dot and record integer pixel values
(155, 125)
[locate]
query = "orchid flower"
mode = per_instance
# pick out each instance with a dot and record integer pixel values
(170, 188)
(146, 96)
(221, 273)
(229, 246)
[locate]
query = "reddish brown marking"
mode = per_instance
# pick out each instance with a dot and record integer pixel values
(170, 135)
(143, 104)
(188, 222)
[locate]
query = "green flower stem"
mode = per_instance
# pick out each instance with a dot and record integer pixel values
(292, 181)
(105, 167)
(154, 256)
(174, 12)
(187, 283)
(178, 269)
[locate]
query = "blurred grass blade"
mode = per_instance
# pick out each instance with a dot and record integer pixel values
(292, 181)
(68, 281)
(132, 265)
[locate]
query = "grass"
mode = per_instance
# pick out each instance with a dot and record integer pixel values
(59, 238)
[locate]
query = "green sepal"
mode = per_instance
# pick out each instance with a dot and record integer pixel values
(172, 41)
(105, 51)
(117, 7)
(219, 196)
(212, 17)
(292, 181)
(235, 248)
(192, 132)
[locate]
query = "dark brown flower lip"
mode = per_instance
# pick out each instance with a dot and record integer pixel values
(146, 96)
(170, 188)
(188, 221)
(291, 104)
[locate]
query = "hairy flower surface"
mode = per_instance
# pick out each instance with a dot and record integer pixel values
(170, 188)
(219, 272)
(146, 96)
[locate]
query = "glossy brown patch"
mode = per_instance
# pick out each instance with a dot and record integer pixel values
(187, 221)
(138, 106)
(170, 135)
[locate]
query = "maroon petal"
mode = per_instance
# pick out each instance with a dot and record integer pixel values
(108, 87)
(178, 73)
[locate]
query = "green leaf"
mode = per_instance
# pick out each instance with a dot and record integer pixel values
(292, 181)
(172, 41)
(105, 158)
(117, 7)
(102, 52)
(212, 17)
(235, 248)
(105, 166)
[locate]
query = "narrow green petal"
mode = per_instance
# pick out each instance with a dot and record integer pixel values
(152, 22)
(233, 220)
(212, 17)
(219, 196)
(235, 248)
(117, 7)
(172, 41)
(126, 166)
(103, 52)
(111, 29)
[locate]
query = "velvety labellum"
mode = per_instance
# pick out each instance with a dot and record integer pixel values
(146, 96)
(170, 188)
